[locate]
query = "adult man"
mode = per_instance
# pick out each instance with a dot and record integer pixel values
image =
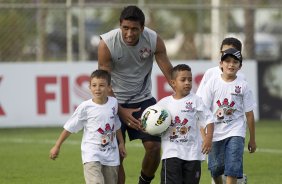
(128, 53)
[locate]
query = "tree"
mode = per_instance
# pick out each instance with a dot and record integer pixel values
(249, 30)
(15, 31)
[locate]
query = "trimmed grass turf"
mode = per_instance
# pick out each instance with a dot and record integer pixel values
(24, 157)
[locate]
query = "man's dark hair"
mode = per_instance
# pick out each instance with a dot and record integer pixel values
(132, 13)
(232, 41)
(178, 68)
(101, 74)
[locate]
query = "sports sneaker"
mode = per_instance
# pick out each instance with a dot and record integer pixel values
(239, 181)
(242, 180)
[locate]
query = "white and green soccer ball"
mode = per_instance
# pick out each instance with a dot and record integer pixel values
(155, 120)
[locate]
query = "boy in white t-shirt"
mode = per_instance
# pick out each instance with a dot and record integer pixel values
(230, 99)
(101, 129)
(182, 147)
(229, 42)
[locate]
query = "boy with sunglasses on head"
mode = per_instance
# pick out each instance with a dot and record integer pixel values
(229, 42)
(231, 100)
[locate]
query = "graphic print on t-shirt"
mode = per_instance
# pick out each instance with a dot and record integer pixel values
(179, 130)
(226, 107)
(107, 139)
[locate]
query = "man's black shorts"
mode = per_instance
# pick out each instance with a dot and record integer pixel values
(135, 134)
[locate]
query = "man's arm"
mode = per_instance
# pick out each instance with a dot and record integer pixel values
(162, 59)
(104, 59)
(104, 56)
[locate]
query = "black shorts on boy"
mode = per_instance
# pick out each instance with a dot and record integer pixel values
(175, 171)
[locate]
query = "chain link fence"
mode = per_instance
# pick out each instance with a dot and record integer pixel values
(68, 30)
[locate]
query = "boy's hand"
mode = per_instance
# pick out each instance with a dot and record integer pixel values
(207, 144)
(54, 152)
(207, 138)
(122, 150)
(252, 146)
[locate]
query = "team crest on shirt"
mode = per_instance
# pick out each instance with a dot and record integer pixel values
(189, 106)
(144, 53)
(225, 109)
(237, 89)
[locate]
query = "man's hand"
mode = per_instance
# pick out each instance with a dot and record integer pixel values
(126, 115)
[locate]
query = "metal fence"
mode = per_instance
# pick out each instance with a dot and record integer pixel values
(68, 30)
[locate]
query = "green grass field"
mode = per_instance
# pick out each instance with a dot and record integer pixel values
(24, 157)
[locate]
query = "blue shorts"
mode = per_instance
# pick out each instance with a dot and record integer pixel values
(226, 157)
(135, 134)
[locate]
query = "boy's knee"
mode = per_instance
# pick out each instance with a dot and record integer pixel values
(216, 171)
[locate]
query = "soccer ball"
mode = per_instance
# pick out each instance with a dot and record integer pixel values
(155, 120)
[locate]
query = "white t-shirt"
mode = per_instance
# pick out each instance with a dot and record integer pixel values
(99, 124)
(213, 72)
(182, 139)
(228, 101)
(131, 66)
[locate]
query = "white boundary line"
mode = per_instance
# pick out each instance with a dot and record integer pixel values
(74, 142)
